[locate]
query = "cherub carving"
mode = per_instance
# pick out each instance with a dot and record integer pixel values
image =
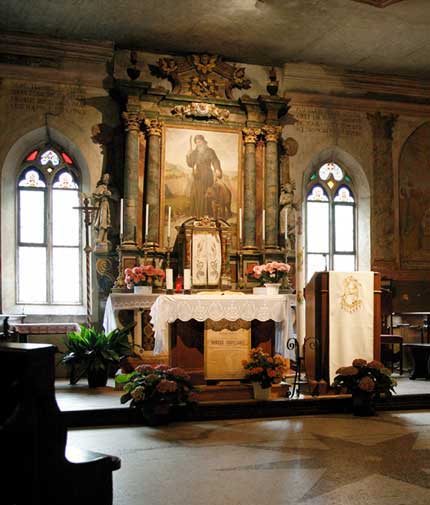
(204, 63)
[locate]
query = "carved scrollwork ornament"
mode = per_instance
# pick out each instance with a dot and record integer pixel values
(250, 135)
(154, 127)
(290, 146)
(201, 110)
(132, 120)
(272, 133)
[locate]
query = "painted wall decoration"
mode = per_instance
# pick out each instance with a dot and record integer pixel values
(201, 176)
(414, 192)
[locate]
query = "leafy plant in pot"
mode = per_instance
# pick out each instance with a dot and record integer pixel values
(91, 352)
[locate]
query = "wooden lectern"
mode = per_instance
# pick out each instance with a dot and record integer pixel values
(317, 346)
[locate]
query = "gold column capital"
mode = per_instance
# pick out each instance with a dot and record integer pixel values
(272, 133)
(132, 120)
(154, 127)
(250, 135)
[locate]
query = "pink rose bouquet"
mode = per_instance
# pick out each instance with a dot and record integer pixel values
(146, 275)
(273, 272)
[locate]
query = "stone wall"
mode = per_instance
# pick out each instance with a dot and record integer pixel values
(361, 121)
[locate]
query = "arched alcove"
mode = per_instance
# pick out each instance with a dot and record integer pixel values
(414, 193)
(13, 161)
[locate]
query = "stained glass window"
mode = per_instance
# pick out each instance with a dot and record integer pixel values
(331, 169)
(32, 156)
(49, 232)
(32, 178)
(330, 221)
(67, 158)
(50, 156)
(64, 180)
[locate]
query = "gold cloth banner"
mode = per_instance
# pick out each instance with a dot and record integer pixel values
(351, 318)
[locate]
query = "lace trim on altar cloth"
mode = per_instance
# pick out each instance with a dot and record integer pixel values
(168, 309)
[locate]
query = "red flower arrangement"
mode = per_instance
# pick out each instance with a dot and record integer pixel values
(264, 369)
(146, 275)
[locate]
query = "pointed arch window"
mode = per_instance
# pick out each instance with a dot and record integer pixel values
(48, 229)
(330, 221)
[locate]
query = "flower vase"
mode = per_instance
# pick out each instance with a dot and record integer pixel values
(363, 403)
(157, 415)
(272, 288)
(261, 394)
(143, 290)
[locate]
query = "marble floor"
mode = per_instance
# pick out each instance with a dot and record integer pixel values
(313, 460)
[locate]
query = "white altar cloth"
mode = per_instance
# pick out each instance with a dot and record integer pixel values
(169, 308)
(124, 301)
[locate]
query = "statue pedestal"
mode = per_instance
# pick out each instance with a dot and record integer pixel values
(103, 247)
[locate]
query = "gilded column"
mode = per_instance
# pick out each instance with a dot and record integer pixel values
(152, 180)
(271, 186)
(249, 200)
(132, 119)
(383, 190)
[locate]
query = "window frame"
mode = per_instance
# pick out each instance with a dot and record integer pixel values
(331, 193)
(49, 173)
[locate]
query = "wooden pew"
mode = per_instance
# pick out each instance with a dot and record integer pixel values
(35, 467)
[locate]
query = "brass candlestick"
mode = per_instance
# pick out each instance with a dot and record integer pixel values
(88, 212)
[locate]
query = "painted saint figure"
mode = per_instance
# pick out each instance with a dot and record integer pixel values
(209, 195)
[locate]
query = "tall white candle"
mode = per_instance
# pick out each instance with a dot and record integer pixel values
(121, 217)
(286, 222)
(240, 223)
(146, 221)
(169, 219)
(263, 225)
(169, 278)
(187, 279)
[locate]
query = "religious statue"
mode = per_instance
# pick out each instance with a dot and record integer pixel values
(105, 198)
(286, 203)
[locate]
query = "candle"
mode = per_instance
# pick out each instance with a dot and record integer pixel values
(286, 223)
(240, 224)
(169, 218)
(263, 225)
(146, 221)
(187, 279)
(121, 217)
(169, 278)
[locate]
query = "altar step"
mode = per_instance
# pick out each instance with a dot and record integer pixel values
(227, 391)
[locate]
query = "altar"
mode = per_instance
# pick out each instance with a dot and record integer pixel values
(183, 323)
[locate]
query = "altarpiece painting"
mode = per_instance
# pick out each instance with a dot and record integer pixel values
(201, 175)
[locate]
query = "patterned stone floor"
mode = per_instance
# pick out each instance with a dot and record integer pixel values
(327, 460)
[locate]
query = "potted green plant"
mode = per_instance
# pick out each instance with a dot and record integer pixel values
(366, 381)
(91, 352)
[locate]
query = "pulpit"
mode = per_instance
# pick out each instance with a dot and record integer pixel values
(343, 321)
(202, 246)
